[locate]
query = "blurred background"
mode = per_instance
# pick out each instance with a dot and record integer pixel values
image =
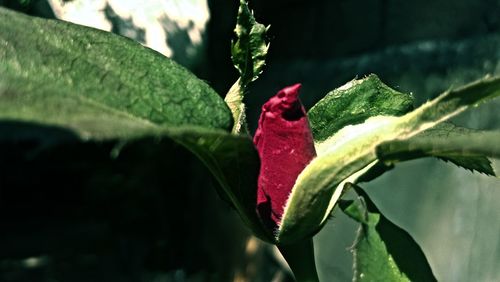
(418, 47)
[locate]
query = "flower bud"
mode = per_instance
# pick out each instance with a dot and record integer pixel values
(285, 145)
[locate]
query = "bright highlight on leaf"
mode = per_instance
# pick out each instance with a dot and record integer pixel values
(355, 102)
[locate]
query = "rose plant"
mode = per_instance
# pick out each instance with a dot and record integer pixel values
(285, 182)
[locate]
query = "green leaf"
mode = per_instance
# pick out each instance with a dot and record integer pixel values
(382, 250)
(62, 83)
(361, 99)
(234, 100)
(355, 102)
(462, 146)
(47, 59)
(249, 53)
(250, 49)
(351, 152)
(352, 104)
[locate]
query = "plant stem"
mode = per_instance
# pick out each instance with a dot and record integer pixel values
(300, 258)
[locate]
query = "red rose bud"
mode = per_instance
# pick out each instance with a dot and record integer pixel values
(285, 145)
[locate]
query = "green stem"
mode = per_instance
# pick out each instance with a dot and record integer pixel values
(300, 258)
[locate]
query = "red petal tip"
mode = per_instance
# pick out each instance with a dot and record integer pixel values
(292, 90)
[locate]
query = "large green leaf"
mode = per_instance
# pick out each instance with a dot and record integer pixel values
(48, 59)
(458, 145)
(249, 53)
(351, 152)
(355, 102)
(462, 146)
(62, 83)
(382, 250)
